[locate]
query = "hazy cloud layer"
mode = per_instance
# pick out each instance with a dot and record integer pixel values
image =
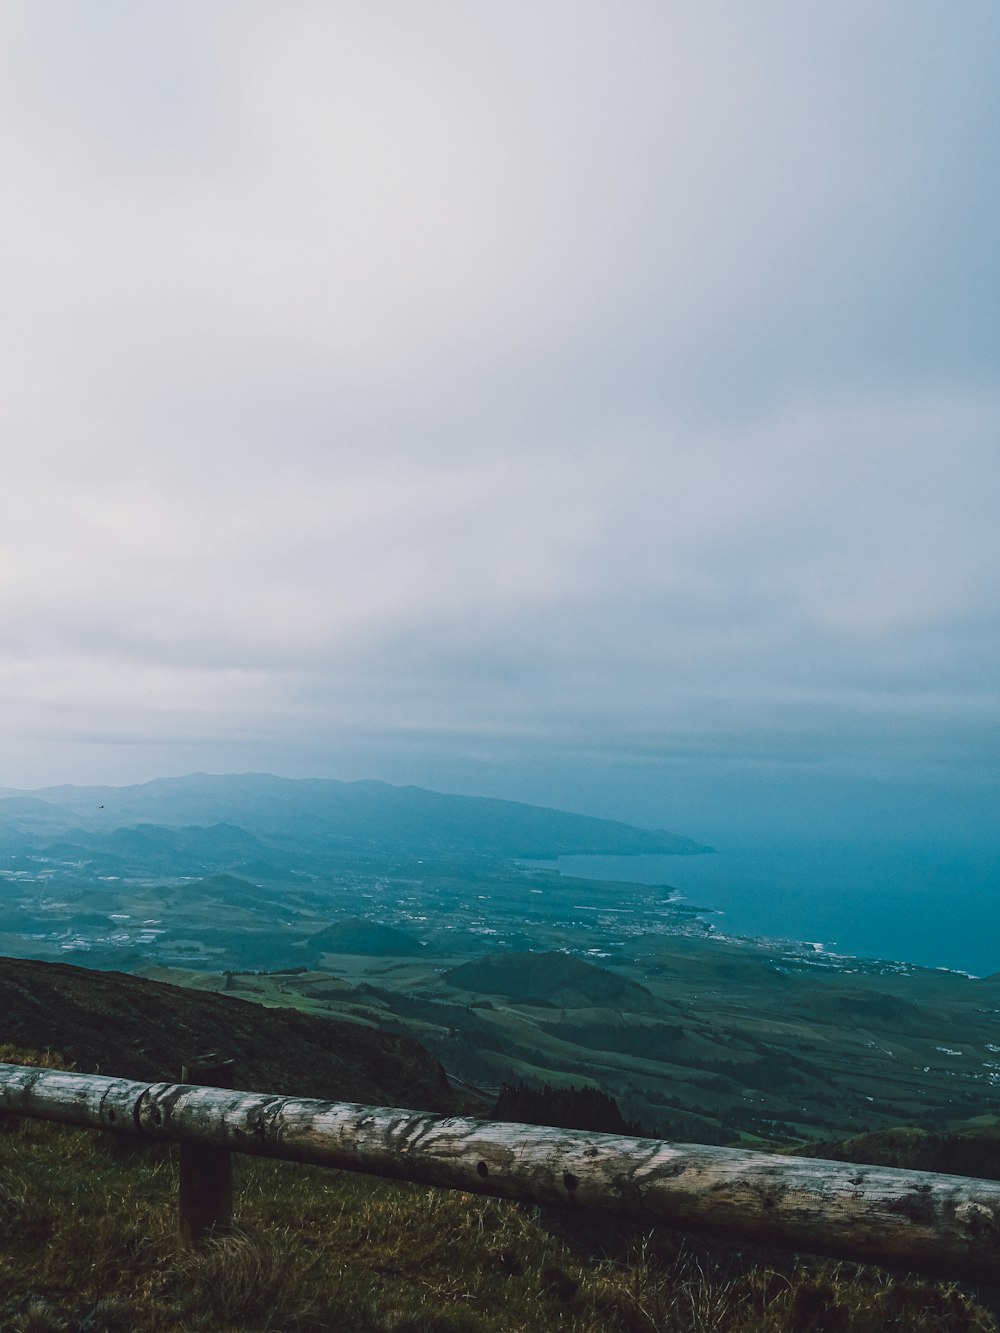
(587, 378)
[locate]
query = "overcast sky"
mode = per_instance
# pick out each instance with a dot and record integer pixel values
(521, 397)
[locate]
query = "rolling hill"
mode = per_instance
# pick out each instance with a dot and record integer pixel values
(556, 979)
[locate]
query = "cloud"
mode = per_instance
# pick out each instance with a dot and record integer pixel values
(574, 373)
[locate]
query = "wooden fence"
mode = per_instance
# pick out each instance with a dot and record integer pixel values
(944, 1225)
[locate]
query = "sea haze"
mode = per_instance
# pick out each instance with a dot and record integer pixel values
(934, 905)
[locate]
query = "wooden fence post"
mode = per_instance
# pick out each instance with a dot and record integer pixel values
(206, 1174)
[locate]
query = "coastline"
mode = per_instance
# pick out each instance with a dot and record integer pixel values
(882, 904)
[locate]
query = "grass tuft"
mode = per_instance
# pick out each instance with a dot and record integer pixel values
(39, 1316)
(232, 1279)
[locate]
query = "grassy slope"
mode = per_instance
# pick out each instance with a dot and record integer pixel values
(86, 1227)
(87, 1242)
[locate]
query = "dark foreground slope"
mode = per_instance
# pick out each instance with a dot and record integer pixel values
(115, 1024)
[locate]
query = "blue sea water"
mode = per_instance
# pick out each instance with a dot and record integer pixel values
(937, 905)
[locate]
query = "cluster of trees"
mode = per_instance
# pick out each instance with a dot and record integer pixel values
(564, 1108)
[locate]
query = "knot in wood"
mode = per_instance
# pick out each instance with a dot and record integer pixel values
(976, 1218)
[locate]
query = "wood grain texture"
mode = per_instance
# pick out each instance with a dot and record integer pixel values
(947, 1225)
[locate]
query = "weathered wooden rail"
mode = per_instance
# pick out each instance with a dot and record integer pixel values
(945, 1225)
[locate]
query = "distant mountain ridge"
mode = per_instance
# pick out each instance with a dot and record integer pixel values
(316, 815)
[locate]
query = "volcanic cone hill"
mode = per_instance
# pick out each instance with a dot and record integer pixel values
(556, 979)
(369, 938)
(110, 1023)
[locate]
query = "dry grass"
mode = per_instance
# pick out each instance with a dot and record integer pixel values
(88, 1245)
(696, 1293)
(17, 1055)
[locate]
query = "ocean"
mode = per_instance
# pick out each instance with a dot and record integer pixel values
(935, 905)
